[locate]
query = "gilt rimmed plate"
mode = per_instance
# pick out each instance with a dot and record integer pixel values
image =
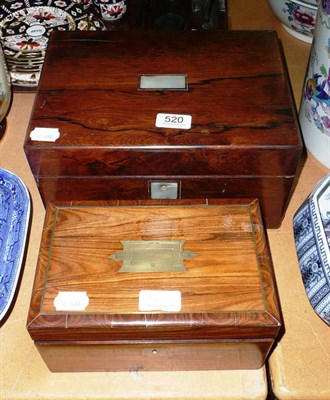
(25, 27)
(14, 222)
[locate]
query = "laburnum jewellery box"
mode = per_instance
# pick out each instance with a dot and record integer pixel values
(165, 115)
(154, 285)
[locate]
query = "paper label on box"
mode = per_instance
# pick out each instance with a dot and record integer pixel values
(71, 301)
(160, 300)
(173, 121)
(45, 134)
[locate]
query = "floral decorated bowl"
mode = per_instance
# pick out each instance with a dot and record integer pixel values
(311, 225)
(25, 28)
(297, 16)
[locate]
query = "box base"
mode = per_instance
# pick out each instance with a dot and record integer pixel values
(98, 356)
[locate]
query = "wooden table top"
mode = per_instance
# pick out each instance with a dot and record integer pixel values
(299, 364)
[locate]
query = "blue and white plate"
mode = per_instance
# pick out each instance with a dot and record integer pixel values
(311, 225)
(14, 222)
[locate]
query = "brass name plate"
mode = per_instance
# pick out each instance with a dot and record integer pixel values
(153, 256)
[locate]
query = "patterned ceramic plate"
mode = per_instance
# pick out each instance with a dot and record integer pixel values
(25, 27)
(312, 237)
(14, 221)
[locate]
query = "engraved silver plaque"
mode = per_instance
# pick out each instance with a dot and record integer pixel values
(153, 256)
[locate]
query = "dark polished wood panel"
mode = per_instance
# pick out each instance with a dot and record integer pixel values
(237, 98)
(97, 162)
(271, 192)
(243, 118)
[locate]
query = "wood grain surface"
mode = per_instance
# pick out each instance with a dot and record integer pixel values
(161, 356)
(272, 192)
(239, 97)
(229, 316)
(228, 289)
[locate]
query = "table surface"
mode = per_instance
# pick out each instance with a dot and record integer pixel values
(298, 366)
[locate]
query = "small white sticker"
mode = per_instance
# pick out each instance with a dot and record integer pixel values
(71, 301)
(45, 134)
(163, 300)
(173, 121)
(36, 30)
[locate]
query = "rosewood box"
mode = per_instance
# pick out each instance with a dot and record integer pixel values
(154, 285)
(165, 115)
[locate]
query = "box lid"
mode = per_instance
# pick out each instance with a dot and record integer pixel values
(154, 270)
(229, 95)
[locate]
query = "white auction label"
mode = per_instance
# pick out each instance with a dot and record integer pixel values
(160, 300)
(71, 301)
(173, 121)
(45, 134)
(36, 30)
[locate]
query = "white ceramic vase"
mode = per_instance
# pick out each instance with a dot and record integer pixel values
(314, 114)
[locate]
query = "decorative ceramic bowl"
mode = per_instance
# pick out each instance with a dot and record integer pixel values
(14, 222)
(311, 225)
(25, 27)
(297, 16)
